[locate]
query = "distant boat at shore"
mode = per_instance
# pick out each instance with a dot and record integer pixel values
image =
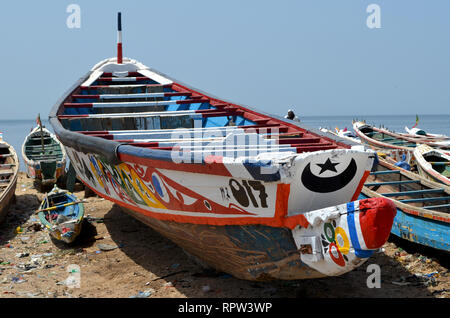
(9, 167)
(433, 164)
(422, 205)
(44, 157)
(62, 214)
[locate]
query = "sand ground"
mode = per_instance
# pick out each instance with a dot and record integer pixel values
(142, 262)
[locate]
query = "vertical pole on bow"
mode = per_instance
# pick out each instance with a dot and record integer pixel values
(119, 38)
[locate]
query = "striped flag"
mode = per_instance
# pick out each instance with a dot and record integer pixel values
(417, 121)
(38, 120)
(119, 38)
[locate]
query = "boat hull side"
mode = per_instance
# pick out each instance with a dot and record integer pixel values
(236, 198)
(7, 198)
(250, 252)
(425, 228)
(261, 252)
(258, 252)
(428, 232)
(432, 175)
(425, 168)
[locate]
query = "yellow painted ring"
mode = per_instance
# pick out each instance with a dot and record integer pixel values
(346, 243)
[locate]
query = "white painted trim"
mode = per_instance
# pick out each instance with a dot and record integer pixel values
(156, 77)
(92, 78)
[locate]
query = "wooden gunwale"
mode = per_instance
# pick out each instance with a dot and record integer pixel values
(408, 208)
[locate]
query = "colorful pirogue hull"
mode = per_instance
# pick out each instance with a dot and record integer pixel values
(9, 167)
(44, 156)
(61, 213)
(230, 185)
(433, 164)
(386, 141)
(423, 206)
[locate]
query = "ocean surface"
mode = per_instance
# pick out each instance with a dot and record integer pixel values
(15, 131)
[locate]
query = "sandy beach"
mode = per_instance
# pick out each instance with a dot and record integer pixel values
(117, 256)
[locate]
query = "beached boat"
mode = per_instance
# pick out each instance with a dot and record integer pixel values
(343, 133)
(395, 143)
(44, 157)
(9, 167)
(381, 139)
(61, 213)
(247, 193)
(417, 132)
(433, 164)
(423, 206)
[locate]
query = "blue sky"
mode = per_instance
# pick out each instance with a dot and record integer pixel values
(317, 57)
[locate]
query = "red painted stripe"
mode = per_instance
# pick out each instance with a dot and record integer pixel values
(278, 220)
(213, 111)
(108, 137)
(286, 136)
(360, 185)
(146, 144)
(72, 116)
(299, 141)
(190, 101)
(215, 169)
(177, 94)
(213, 159)
(220, 114)
(219, 106)
(86, 96)
(261, 121)
(265, 128)
(108, 86)
(96, 132)
(78, 105)
(315, 148)
(168, 94)
(119, 53)
(318, 145)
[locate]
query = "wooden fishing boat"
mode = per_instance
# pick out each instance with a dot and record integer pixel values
(44, 157)
(423, 206)
(433, 164)
(9, 168)
(384, 140)
(61, 213)
(420, 133)
(395, 143)
(343, 133)
(241, 190)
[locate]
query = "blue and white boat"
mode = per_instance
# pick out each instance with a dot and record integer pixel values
(423, 206)
(62, 214)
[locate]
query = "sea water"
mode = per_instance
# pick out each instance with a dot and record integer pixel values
(15, 131)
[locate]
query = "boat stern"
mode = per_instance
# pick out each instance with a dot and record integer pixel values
(341, 238)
